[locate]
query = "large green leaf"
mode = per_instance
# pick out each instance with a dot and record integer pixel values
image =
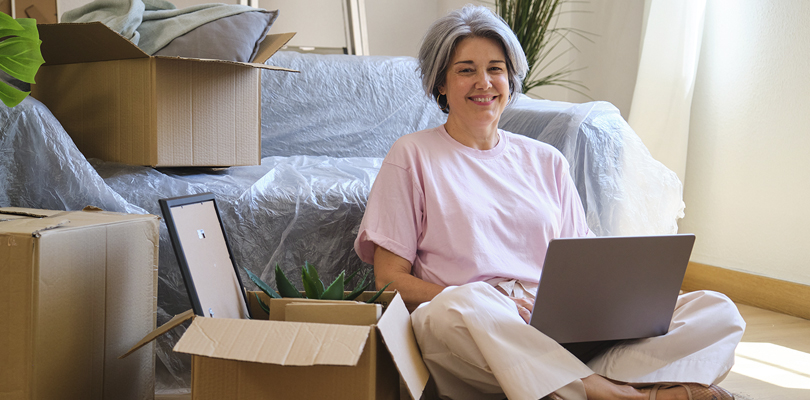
(20, 57)
(11, 96)
(9, 26)
(335, 289)
(285, 287)
(22, 27)
(263, 286)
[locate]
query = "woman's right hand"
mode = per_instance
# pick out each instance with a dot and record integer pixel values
(389, 267)
(525, 307)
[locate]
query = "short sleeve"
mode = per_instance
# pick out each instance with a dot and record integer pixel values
(394, 215)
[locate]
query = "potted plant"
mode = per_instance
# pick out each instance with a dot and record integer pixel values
(314, 288)
(20, 58)
(535, 25)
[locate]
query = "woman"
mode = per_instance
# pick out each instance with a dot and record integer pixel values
(459, 219)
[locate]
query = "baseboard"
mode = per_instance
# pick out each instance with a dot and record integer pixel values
(754, 290)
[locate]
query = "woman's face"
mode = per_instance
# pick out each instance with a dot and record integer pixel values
(477, 82)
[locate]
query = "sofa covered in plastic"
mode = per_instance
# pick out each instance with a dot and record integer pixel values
(325, 132)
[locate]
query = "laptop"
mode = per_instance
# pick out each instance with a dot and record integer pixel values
(610, 288)
(205, 258)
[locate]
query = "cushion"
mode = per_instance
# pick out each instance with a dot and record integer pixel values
(233, 38)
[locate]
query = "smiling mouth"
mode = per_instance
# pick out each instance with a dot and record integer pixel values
(482, 100)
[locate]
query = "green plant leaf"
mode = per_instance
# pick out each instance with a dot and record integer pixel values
(313, 286)
(9, 26)
(335, 289)
(11, 96)
(22, 27)
(263, 286)
(359, 289)
(376, 295)
(264, 307)
(351, 276)
(20, 58)
(285, 287)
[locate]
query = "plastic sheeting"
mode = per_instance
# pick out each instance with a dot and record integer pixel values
(623, 189)
(324, 133)
(342, 106)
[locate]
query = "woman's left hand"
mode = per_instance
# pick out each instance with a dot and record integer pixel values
(524, 307)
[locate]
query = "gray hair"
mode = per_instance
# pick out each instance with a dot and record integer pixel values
(471, 21)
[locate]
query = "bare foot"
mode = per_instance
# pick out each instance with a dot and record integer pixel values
(599, 388)
(672, 393)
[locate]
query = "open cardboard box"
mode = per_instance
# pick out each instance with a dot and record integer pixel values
(308, 349)
(121, 104)
(77, 288)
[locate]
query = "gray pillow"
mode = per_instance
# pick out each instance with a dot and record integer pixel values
(233, 38)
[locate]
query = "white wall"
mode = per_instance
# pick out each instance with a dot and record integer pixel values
(396, 27)
(608, 61)
(748, 170)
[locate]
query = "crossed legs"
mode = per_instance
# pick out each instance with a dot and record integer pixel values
(477, 346)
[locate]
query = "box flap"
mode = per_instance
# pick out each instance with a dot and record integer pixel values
(274, 342)
(241, 64)
(395, 328)
(278, 307)
(27, 212)
(270, 45)
(38, 222)
(345, 313)
(84, 42)
(173, 323)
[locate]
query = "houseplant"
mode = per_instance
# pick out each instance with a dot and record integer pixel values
(20, 58)
(535, 25)
(314, 288)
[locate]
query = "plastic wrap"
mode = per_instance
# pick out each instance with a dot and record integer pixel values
(623, 189)
(342, 106)
(324, 133)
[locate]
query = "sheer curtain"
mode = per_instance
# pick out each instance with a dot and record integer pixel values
(662, 99)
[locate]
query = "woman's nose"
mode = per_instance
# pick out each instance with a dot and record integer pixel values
(483, 81)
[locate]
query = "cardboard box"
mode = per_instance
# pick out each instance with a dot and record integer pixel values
(120, 104)
(76, 289)
(309, 349)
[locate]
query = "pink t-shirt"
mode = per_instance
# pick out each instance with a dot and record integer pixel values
(462, 215)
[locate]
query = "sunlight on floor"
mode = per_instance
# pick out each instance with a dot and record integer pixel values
(774, 364)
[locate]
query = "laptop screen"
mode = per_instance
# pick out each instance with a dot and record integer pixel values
(610, 288)
(205, 259)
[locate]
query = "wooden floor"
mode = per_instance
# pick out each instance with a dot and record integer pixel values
(772, 363)
(773, 359)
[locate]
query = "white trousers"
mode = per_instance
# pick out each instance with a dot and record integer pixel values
(477, 346)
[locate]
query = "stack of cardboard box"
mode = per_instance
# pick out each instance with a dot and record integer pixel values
(76, 290)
